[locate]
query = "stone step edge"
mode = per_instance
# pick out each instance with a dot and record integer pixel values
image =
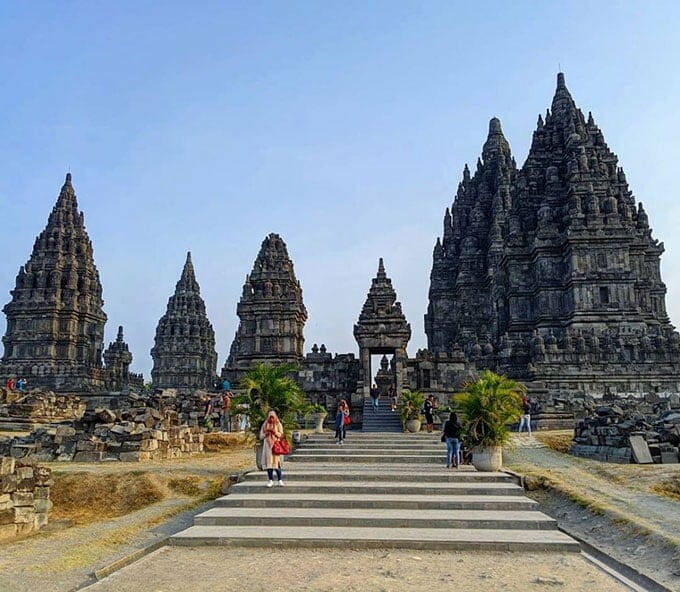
(410, 538)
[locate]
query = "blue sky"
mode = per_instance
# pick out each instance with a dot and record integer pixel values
(342, 126)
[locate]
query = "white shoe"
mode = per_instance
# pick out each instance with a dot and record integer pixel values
(270, 483)
(280, 483)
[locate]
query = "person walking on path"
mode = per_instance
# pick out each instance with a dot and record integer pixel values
(526, 417)
(452, 430)
(428, 409)
(270, 432)
(341, 421)
(375, 397)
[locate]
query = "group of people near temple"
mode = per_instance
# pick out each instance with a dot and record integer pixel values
(16, 384)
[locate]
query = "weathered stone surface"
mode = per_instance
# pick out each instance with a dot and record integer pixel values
(640, 450)
(550, 273)
(184, 355)
(271, 312)
(55, 320)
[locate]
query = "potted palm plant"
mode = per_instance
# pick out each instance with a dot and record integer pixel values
(410, 404)
(270, 387)
(489, 404)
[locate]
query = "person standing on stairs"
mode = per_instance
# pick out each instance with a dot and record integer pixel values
(451, 436)
(270, 432)
(341, 421)
(428, 409)
(375, 396)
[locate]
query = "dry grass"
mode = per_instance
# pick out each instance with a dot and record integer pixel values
(557, 440)
(84, 497)
(226, 441)
(669, 487)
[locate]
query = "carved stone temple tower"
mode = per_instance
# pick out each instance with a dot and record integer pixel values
(550, 273)
(184, 355)
(55, 320)
(382, 329)
(118, 358)
(271, 313)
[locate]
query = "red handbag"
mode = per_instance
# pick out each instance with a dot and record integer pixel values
(281, 447)
(346, 420)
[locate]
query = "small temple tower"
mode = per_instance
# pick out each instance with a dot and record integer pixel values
(118, 358)
(184, 355)
(55, 320)
(271, 313)
(382, 329)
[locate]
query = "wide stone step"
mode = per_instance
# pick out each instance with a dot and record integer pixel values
(442, 476)
(378, 518)
(341, 457)
(483, 539)
(263, 498)
(372, 487)
(351, 444)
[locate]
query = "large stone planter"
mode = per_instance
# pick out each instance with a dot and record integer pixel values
(412, 425)
(258, 454)
(318, 418)
(487, 459)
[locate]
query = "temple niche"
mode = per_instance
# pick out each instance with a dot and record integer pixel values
(55, 319)
(550, 273)
(183, 354)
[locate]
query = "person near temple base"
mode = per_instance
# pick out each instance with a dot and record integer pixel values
(526, 417)
(341, 422)
(225, 418)
(428, 409)
(10, 384)
(394, 399)
(451, 434)
(375, 396)
(270, 432)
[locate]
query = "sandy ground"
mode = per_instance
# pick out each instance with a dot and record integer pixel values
(254, 570)
(633, 524)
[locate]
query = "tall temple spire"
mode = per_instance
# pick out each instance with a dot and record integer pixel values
(271, 312)
(461, 267)
(562, 253)
(187, 281)
(55, 319)
(184, 353)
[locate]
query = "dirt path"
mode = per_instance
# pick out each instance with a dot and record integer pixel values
(308, 570)
(615, 510)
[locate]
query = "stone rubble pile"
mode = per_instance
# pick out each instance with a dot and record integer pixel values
(134, 433)
(630, 430)
(24, 497)
(40, 407)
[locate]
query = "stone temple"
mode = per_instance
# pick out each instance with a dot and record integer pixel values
(184, 353)
(548, 273)
(55, 320)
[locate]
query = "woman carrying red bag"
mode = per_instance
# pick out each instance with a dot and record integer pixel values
(341, 421)
(270, 433)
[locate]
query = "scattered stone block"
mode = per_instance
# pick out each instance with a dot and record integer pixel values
(640, 450)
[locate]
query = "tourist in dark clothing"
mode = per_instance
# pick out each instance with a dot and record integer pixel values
(452, 430)
(428, 409)
(375, 397)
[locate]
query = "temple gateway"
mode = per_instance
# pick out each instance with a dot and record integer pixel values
(547, 273)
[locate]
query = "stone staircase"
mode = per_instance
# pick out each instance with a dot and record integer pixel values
(383, 420)
(364, 494)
